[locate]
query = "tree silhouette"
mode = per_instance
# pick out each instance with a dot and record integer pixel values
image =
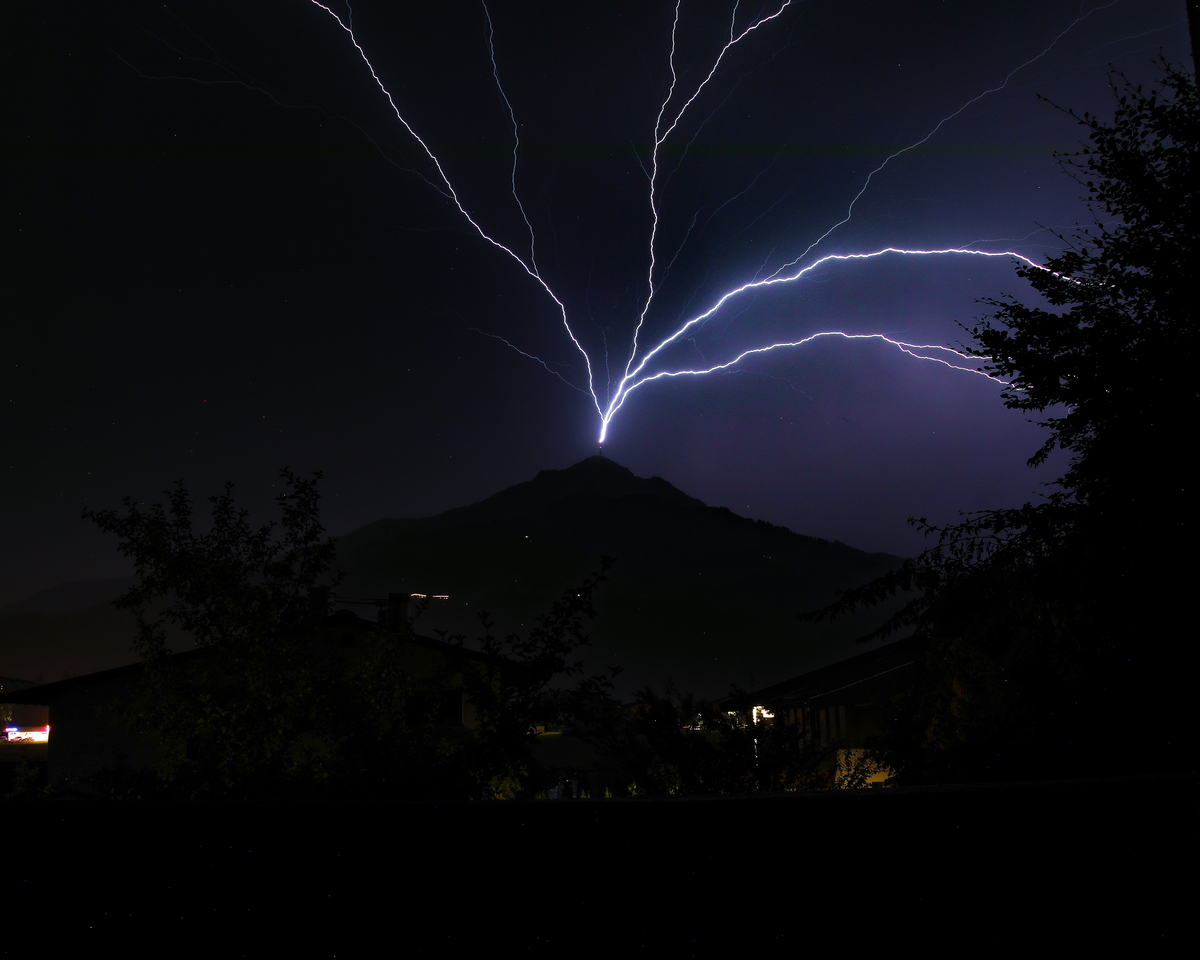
(1119, 360)
(521, 682)
(254, 600)
(283, 698)
(1048, 628)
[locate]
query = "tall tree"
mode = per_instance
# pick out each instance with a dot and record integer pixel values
(1052, 631)
(255, 705)
(1115, 368)
(521, 683)
(283, 698)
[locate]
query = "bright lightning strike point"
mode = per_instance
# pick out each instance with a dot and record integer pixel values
(636, 372)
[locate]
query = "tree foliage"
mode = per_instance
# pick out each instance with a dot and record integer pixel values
(256, 702)
(1047, 627)
(1115, 367)
(236, 586)
(526, 682)
(672, 744)
(283, 698)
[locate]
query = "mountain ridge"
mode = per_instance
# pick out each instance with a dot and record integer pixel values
(595, 475)
(503, 504)
(698, 593)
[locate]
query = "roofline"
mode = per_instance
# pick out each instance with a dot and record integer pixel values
(846, 686)
(800, 689)
(39, 694)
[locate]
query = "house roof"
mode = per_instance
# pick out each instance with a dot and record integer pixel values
(46, 693)
(12, 684)
(865, 678)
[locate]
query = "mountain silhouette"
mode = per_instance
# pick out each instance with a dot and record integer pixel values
(698, 593)
(595, 477)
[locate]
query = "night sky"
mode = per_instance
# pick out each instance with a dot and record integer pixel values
(224, 255)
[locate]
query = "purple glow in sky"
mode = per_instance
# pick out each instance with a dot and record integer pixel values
(681, 95)
(230, 256)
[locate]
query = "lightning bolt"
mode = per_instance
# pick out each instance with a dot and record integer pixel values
(907, 348)
(662, 130)
(452, 194)
(637, 371)
(636, 377)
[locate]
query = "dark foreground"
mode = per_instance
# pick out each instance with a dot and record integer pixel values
(941, 870)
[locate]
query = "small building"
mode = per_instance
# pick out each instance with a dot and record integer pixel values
(82, 738)
(24, 731)
(839, 706)
(85, 737)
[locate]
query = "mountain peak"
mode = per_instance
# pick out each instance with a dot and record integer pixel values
(595, 465)
(594, 476)
(698, 593)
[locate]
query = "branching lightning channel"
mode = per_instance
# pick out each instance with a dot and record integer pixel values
(908, 348)
(938, 126)
(516, 141)
(663, 128)
(528, 266)
(670, 115)
(637, 376)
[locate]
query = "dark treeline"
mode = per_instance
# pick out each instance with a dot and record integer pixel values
(1054, 634)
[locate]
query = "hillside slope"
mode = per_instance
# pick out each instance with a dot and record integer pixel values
(697, 593)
